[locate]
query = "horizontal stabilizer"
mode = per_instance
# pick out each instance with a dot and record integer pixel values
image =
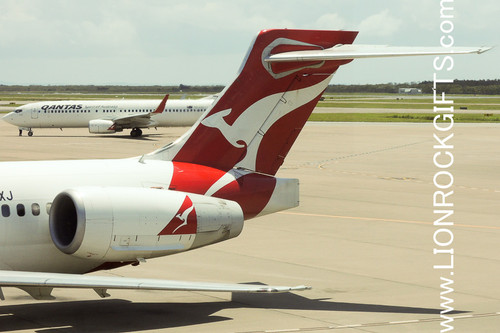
(350, 51)
(100, 284)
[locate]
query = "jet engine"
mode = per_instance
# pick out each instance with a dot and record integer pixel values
(127, 223)
(102, 126)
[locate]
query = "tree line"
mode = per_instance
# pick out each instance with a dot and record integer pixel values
(110, 89)
(474, 87)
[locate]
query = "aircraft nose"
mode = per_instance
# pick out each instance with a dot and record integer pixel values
(12, 118)
(9, 117)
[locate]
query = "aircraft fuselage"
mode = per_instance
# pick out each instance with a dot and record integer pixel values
(126, 206)
(74, 114)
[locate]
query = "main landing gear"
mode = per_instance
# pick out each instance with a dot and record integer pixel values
(135, 132)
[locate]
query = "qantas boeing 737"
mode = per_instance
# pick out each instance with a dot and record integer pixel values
(61, 219)
(108, 116)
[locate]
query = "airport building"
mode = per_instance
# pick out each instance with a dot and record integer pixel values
(409, 91)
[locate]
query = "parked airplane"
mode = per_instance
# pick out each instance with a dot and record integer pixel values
(60, 219)
(108, 116)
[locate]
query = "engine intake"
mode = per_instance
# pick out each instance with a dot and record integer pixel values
(67, 222)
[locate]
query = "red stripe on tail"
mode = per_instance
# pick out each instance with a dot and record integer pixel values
(257, 118)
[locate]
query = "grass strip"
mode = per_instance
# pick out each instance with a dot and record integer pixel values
(64, 97)
(402, 117)
(403, 105)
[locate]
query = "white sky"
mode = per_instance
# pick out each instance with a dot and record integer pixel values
(194, 42)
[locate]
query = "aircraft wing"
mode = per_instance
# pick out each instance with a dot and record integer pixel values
(40, 285)
(353, 51)
(141, 119)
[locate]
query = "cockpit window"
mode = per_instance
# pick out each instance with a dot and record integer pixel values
(18, 111)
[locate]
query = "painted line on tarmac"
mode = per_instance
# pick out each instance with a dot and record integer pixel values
(383, 323)
(387, 220)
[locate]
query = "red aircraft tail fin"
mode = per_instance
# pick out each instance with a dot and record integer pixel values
(161, 107)
(257, 118)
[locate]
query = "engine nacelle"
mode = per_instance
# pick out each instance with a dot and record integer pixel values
(102, 126)
(124, 223)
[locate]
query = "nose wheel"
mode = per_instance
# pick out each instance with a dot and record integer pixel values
(135, 132)
(30, 132)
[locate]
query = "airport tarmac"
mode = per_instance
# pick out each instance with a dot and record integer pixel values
(362, 237)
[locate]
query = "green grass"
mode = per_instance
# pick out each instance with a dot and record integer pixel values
(399, 117)
(412, 98)
(376, 105)
(385, 101)
(60, 97)
(421, 105)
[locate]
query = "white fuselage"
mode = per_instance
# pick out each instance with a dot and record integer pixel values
(74, 114)
(28, 191)
(129, 202)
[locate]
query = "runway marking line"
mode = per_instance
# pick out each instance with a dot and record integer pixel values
(387, 220)
(382, 323)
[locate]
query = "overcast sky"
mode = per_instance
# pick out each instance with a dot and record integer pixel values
(194, 42)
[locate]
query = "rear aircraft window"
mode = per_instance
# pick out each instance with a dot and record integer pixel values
(35, 209)
(47, 208)
(5, 210)
(20, 210)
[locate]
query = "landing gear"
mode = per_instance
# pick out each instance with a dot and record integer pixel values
(30, 132)
(135, 132)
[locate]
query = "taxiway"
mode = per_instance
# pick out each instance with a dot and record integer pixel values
(362, 237)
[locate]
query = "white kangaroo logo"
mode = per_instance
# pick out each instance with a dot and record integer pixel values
(253, 123)
(217, 121)
(183, 217)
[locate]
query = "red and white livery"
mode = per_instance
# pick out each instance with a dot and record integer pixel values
(66, 218)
